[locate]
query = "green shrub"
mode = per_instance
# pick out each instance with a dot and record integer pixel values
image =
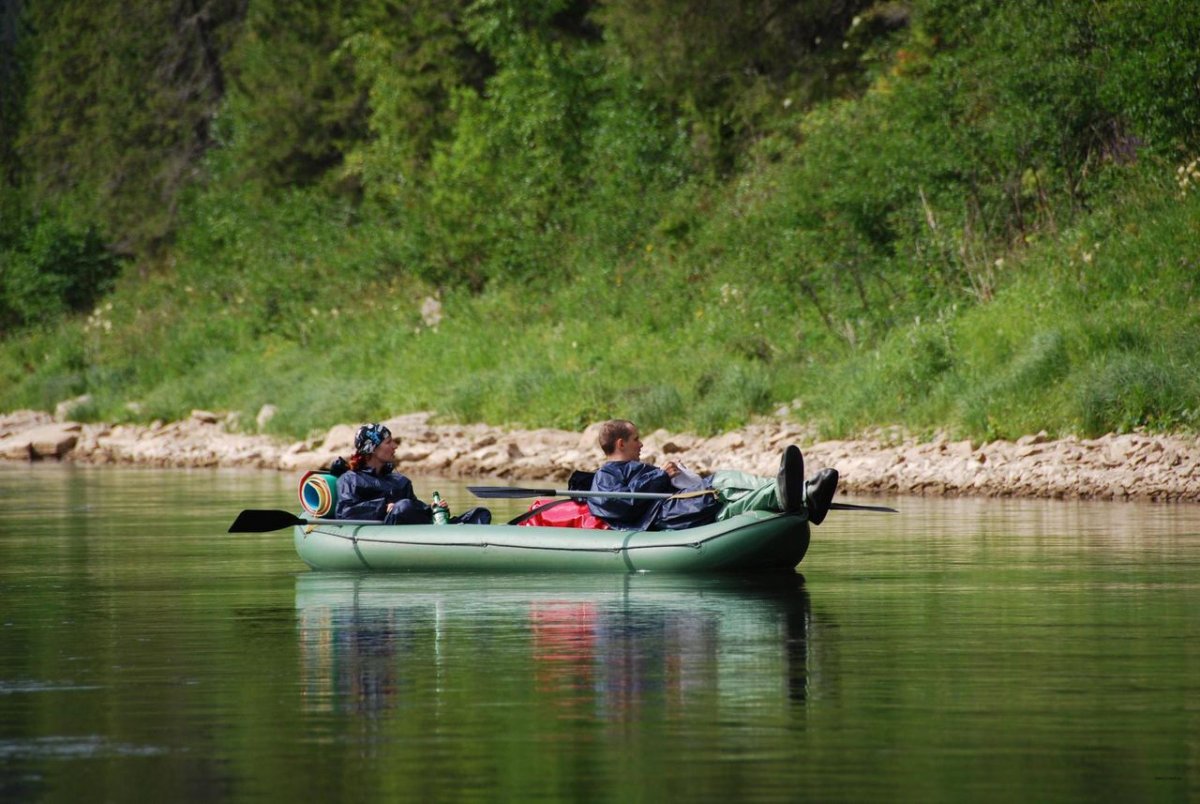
(51, 270)
(1149, 73)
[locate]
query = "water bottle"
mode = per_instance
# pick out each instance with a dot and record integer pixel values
(441, 515)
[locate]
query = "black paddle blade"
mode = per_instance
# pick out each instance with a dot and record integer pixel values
(506, 493)
(260, 521)
(853, 507)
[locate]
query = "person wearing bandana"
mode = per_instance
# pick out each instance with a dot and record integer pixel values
(371, 488)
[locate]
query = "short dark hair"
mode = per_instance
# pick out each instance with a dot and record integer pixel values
(613, 429)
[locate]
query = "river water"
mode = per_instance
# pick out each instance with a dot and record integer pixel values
(960, 650)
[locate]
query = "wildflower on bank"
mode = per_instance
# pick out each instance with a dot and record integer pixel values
(1188, 177)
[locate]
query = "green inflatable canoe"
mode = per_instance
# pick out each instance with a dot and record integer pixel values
(753, 541)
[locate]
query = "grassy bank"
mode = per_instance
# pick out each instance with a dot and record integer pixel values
(1089, 329)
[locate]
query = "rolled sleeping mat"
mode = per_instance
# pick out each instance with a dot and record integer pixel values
(318, 494)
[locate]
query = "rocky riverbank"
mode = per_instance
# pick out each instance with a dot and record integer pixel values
(1120, 467)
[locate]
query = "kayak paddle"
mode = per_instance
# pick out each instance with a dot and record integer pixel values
(508, 493)
(254, 520)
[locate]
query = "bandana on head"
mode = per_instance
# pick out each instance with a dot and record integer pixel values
(369, 437)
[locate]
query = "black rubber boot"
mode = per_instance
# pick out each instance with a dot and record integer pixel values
(789, 483)
(818, 494)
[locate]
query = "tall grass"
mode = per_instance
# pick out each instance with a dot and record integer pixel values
(1093, 331)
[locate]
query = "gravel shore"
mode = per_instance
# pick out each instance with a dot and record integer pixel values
(1114, 467)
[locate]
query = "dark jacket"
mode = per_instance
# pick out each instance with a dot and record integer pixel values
(646, 514)
(365, 494)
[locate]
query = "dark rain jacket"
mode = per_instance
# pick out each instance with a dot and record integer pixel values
(365, 494)
(646, 514)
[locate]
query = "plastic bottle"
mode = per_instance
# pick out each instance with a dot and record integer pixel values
(441, 514)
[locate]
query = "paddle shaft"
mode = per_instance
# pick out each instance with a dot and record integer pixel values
(506, 492)
(853, 507)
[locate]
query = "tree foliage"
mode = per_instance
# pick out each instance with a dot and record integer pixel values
(118, 110)
(729, 66)
(408, 61)
(14, 68)
(501, 185)
(293, 108)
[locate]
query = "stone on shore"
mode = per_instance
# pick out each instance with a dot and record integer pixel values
(41, 441)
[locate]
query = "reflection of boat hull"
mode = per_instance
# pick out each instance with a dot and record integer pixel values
(596, 645)
(747, 542)
(465, 595)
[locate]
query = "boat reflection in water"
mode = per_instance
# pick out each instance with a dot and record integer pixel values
(596, 646)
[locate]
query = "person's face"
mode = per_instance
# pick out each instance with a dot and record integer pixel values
(386, 450)
(630, 449)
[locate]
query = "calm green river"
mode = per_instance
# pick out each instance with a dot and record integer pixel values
(961, 650)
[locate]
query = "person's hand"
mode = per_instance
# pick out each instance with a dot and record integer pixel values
(671, 468)
(442, 504)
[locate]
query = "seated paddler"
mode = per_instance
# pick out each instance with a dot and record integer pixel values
(731, 492)
(372, 488)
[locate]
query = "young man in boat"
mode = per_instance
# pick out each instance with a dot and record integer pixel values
(733, 492)
(373, 489)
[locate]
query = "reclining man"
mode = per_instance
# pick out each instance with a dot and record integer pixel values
(734, 492)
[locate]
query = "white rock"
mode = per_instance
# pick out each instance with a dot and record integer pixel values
(64, 410)
(265, 414)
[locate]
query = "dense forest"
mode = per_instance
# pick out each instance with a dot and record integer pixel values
(965, 215)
